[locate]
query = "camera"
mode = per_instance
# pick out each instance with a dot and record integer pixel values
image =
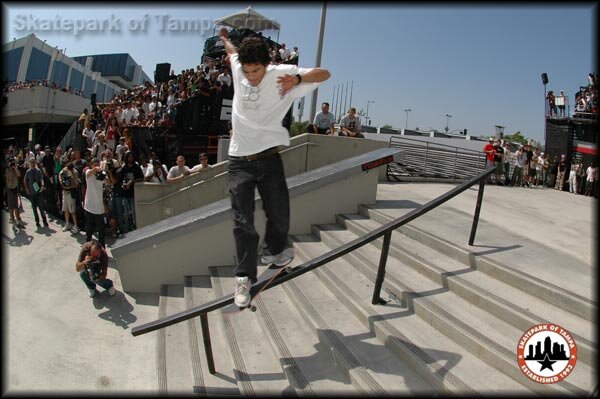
(66, 180)
(101, 175)
(10, 162)
(94, 270)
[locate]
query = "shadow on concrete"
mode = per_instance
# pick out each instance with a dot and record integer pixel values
(20, 238)
(395, 204)
(328, 356)
(494, 249)
(145, 298)
(119, 309)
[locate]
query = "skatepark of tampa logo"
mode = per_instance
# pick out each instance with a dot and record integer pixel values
(546, 353)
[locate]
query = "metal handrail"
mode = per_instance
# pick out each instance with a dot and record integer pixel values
(201, 182)
(385, 230)
(420, 157)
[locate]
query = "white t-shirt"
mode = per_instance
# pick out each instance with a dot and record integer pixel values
(93, 195)
(590, 173)
(224, 79)
(324, 121)
(352, 124)
(175, 171)
(259, 110)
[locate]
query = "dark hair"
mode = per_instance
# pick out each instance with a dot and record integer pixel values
(325, 103)
(253, 51)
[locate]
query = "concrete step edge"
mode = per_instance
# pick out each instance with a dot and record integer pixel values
(240, 371)
(197, 371)
(172, 301)
(161, 358)
(221, 383)
(398, 343)
(292, 371)
(472, 340)
(550, 293)
(360, 377)
(484, 299)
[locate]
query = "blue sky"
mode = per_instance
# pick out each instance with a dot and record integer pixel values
(479, 63)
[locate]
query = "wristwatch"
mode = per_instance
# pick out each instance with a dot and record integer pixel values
(299, 79)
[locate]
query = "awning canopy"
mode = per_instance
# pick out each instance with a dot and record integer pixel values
(248, 19)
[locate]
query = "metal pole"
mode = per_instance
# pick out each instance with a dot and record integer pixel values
(351, 89)
(207, 346)
(545, 127)
(346, 98)
(377, 300)
(313, 106)
(337, 104)
(332, 99)
(477, 210)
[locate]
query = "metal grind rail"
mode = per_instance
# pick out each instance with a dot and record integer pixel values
(385, 231)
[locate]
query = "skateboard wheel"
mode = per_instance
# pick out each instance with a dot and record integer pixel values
(253, 308)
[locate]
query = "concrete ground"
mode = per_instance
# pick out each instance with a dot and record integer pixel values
(57, 339)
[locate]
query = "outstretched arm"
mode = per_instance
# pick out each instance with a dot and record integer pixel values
(229, 47)
(315, 75)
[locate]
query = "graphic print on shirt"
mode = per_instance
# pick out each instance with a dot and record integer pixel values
(250, 97)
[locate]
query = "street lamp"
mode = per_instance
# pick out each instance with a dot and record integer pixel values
(447, 119)
(367, 116)
(407, 111)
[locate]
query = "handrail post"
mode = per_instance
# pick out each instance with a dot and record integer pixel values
(207, 345)
(381, 271)
(477, 210)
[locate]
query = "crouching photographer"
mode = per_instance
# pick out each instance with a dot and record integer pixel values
(92, 266)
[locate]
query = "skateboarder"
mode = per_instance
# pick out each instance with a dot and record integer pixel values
(263, 95)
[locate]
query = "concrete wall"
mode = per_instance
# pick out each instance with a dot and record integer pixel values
(42, 104)
(210, 242)
(154, 202)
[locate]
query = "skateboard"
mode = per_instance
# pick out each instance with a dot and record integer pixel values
(271, 274)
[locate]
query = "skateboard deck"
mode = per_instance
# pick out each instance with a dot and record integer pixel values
(272, 272)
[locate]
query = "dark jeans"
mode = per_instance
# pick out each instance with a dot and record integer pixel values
(94, 223)
(104, 283)
(37, 202)
(506, 173)
(269, 177)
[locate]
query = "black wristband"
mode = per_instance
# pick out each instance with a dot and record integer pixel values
(299, 78)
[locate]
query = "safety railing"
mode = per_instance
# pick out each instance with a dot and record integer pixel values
(427, 159)
(385, 231)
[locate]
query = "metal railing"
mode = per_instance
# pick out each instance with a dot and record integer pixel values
(385, 231)
(426, 159)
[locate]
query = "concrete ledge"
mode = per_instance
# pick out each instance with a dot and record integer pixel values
(187, 244)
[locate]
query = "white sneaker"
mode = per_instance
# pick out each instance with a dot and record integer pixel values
(67, 227)
(112, 291)
(281, 259)
(242, 292)
(75, 229)
(93, 292)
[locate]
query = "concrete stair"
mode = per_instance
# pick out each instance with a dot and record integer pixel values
(450, 326)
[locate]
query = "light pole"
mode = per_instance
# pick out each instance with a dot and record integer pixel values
(313, 105)
(447, 119)
(367, 116)
(407, 111)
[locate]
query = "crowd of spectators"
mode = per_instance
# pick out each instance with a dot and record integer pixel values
(529, 167)
(64, 187)
(15, 86)
(586, 101)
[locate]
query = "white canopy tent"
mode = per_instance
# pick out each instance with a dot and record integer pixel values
(249, 19)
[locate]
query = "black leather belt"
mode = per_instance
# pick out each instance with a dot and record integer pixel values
(261, 155)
